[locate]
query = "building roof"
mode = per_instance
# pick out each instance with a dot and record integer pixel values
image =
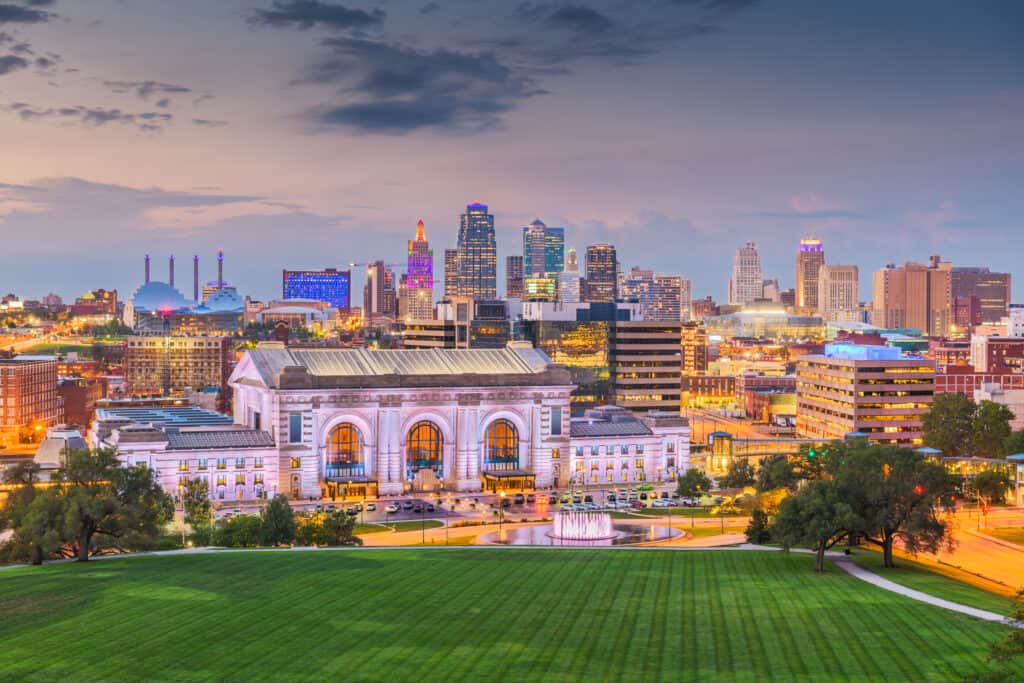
(156, 296)
(270, 359)
(217, 439)
(179, 416)
(582, 429)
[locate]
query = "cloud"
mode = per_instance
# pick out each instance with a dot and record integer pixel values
(579, 18)
(146, 90)
(90, 116)
(430, 8)
(209, 123)
(305, 14)
(397, 89)
(17, 14)
(11, 63)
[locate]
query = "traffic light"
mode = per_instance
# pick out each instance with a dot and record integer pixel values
(919, 489)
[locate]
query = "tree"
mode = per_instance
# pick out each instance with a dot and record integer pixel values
(278, 521)
(991, 429)
(949, 425)
(693, 483)
(35, 516)
(757, 530)
(776, 472)
(335, 529)
(242, 531)
(896, 494)
(1014, 443)
(109, 505)
(198, 510)
(739, 475)
(817, 516)
(991, 485)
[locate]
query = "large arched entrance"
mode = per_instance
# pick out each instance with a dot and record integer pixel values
(424, 456)
(345, 473)
(501, 468)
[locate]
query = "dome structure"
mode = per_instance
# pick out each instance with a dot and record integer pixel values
(158, 296)
(224, 300)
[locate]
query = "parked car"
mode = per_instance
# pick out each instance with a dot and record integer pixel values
(564, 499)
(318, 509)
(643, 495)
(664, 494)
(430, 507)
(637, 505)
(417, 508)
(392, 508)
(331, 508)
(622, 505)
(552, 499)
(371, 507)
(407, 505)
(520, 499)
(531, 499)
(611, 497)
(662, 503)
(351, 512)
(577, 499)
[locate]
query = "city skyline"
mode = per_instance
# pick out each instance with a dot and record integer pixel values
(114, 154)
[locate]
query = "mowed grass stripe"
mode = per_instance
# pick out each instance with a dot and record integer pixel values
(474, 614)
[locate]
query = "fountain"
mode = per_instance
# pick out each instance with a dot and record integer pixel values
(579, 526)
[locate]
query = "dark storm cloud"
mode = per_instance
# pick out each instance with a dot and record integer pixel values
(11, 63)
(25, 13)
(305, 14)
(570, 17)
(395, 89)
(90, 116)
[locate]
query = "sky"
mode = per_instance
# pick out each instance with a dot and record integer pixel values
(314, 133)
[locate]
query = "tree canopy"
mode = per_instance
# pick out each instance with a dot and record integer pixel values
(949, 425)
(693, 483)
(817, 516)
(740, 474)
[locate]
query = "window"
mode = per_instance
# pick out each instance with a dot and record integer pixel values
(255, 419)
(202, 463)
(579, 451)
(556, 421)
(222, 463)
(258, 463)
(222, 480)
(501, 446)
(424, 449)
(623, 449)
(296, 463)
(639, 463)
(240, 479)
(344, 451)
(295, 428)
(183, 465)
(555, 454)
(240, 463)
(639, 449)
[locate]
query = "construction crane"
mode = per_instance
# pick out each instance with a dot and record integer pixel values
(371, 265)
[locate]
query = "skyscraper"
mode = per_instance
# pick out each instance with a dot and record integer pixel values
(380, 300)
(666, 299)
(839, 292)
(991, 289)
(554, 251)
(419, 282)
(810, 257)
(543, 250)
(915, 296)
(514, 277)
(451, 273)
(746, 283)
(601, 283)
(478, 254)
(569, 278)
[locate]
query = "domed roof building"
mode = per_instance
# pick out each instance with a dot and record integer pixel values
(151, 298)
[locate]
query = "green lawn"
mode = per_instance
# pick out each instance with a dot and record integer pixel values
(1013, 534)
(48, 348)
(397, 526)
(919, 577)
(476, 614)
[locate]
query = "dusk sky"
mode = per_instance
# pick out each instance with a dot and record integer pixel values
(302, 133)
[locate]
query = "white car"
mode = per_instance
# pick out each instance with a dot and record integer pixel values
(392, 508)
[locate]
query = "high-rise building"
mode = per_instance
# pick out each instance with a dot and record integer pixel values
(771, 290)
(839, 293)
(694, 345)
(535, 249)
(746, 284)
(380, 298)
(915, 296)
(451, 273)
(869, 389)
(28, 393)
(992, 290)
(419, 277)
(478, 254)
(330, 285)
(569, 278)
(666, 299)
(169, 364)
(601, 283)
(637, 287)
(645, 365)
(514, 277)
(554, 251)
(810, 257)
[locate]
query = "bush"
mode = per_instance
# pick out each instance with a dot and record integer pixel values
(757, 530)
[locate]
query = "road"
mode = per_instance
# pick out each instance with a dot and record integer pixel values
(703, 422)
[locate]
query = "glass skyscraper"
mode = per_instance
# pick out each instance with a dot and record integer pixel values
(543, 250)
(602, 280)
(478, 254)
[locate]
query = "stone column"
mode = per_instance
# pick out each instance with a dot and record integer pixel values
(389, 447)
(467, 457)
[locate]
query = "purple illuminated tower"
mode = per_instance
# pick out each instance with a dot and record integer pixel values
(420, 276)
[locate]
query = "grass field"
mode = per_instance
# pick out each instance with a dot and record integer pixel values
(473, 614)
(397, 526)
(84, 350)
(1013, 534)
(919, 577)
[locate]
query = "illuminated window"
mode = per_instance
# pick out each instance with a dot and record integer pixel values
(424, 449)
(501, 446)
(296, 463)
(222, 463)
(344, 451)
(555, 454)
(202, 463)
(183, 465)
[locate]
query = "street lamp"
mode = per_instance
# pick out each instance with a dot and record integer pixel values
(501, 511)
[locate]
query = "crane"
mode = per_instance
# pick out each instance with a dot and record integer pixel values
(370, 265)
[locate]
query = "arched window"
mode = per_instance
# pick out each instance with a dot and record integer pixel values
(424, 449)
(344, 451)
(501, 446)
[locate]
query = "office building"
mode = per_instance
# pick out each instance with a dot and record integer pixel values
(810, 257)
(462, 323)
(330, 285)
(670, 299)
(914, 296)
(101, 302)
(451, 273)
(514, 285)
(380, 297)
(28, 394)
(569, 278)
(601, 283)
(694, 347)
(477, 254)
(839, 293)
(746, 283)
(419, 277)
(168, 365)
(997, 354)
(645, 365)
(991, 289)
(874, 390)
